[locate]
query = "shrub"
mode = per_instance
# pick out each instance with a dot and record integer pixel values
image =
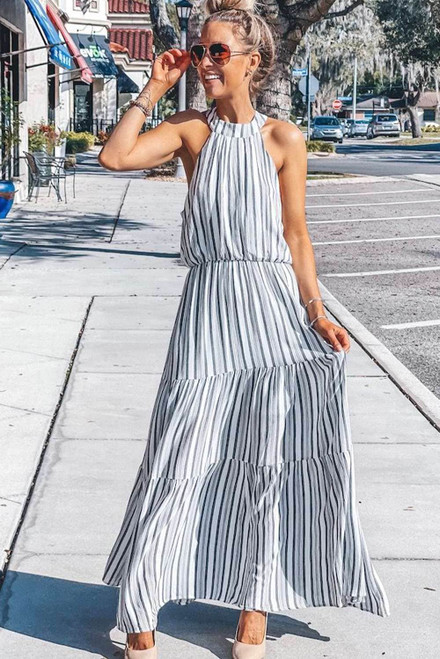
(320, 145)
(431, 128)
(77, 142)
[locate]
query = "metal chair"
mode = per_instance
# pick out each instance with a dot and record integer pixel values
(48, 169)
(64, 173)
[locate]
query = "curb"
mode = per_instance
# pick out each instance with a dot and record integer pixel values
(425, 178)
(323, 154)
(425, 401)
(351, 178)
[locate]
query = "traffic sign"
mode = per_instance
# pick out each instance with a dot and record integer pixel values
(313, 86)
(299, 73)
(337, 104)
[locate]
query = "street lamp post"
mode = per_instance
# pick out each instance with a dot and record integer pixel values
(183, 9)
(354, 99)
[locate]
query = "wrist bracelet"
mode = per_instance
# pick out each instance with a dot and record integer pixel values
(137, 103)
(143, 103)
(311, 324)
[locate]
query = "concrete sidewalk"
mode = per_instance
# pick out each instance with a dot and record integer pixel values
(88, 293)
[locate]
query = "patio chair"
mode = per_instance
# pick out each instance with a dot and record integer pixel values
(46, 169)
(64, 173)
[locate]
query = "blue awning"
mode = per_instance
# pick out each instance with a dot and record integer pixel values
(125, 84)
(58, 54)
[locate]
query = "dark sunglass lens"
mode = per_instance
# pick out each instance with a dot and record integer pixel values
(219, 52)
(197, 54)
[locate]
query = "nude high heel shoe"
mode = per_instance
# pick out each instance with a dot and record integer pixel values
(149, 653)
(249, 650)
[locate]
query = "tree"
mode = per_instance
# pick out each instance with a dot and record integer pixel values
(412, 30)
(334, 42)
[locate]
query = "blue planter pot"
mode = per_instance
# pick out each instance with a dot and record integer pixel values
(7, 192)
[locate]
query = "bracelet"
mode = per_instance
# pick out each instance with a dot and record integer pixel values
(139, 104)
(143, 102)
(311, 300)
(311, 324)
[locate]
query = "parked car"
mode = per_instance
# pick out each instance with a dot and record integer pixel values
(358, 127)
(383, 124)
(327, 128)
(345, 124)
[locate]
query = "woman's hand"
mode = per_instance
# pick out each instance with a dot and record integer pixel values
(334, 334)
(169, 66)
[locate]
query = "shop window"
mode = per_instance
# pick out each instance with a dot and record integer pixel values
(429, 115)
(83, 107)
(10, 85)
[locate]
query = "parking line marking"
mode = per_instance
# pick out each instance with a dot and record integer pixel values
(353, 194)
(418, 323)
(374, 219)
(374, 240)
(377, 203)
(366, 273)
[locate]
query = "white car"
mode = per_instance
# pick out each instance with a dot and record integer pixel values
(383, 124)
(358, 127)
(327, 128)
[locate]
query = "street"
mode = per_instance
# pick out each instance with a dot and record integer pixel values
(90, 290)
(372, 158)
(377, 250)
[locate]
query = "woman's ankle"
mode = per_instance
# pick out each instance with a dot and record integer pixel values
(140, 640)
(251, 627)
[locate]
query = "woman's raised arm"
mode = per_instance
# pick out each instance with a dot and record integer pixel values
(126, 149)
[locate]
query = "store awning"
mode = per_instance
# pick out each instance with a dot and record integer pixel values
(58, 53)
(86, 74)
(125, 84)
(97, 54)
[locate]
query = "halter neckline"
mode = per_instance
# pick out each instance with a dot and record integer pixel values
(232, 129)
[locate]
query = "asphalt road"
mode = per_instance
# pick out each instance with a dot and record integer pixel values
(377, 250)
(373, 158)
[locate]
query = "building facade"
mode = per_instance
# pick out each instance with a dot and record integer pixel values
(131, 41)
(57, 64)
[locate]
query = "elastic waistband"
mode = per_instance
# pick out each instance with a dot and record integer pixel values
(200, 263)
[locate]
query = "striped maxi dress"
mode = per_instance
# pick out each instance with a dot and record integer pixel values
(246, 491)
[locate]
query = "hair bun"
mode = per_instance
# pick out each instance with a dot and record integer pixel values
(213, 6)
(250, 29)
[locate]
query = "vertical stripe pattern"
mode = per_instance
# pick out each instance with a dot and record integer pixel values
(246, 491)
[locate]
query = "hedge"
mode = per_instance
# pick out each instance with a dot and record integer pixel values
(320, 145)
(431, 128)
(77, 142)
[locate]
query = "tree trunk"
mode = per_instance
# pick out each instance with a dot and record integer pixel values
(412, 98)
(415, 121)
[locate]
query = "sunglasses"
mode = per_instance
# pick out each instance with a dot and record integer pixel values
(219, 53)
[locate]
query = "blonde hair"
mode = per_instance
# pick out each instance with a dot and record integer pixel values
(251, 29)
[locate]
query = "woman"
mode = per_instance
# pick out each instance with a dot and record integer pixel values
(246, 490)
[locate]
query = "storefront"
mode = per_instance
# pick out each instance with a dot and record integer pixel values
(10, 85)
(94, 106)
(33, 56)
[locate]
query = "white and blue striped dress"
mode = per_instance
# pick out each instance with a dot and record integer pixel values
(246, 490)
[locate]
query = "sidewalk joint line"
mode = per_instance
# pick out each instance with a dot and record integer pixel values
(22, 246)
(10, 549)
(119, 211)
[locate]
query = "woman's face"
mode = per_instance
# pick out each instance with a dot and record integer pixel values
(232, 76)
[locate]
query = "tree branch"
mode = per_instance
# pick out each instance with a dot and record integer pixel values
(347, 10)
